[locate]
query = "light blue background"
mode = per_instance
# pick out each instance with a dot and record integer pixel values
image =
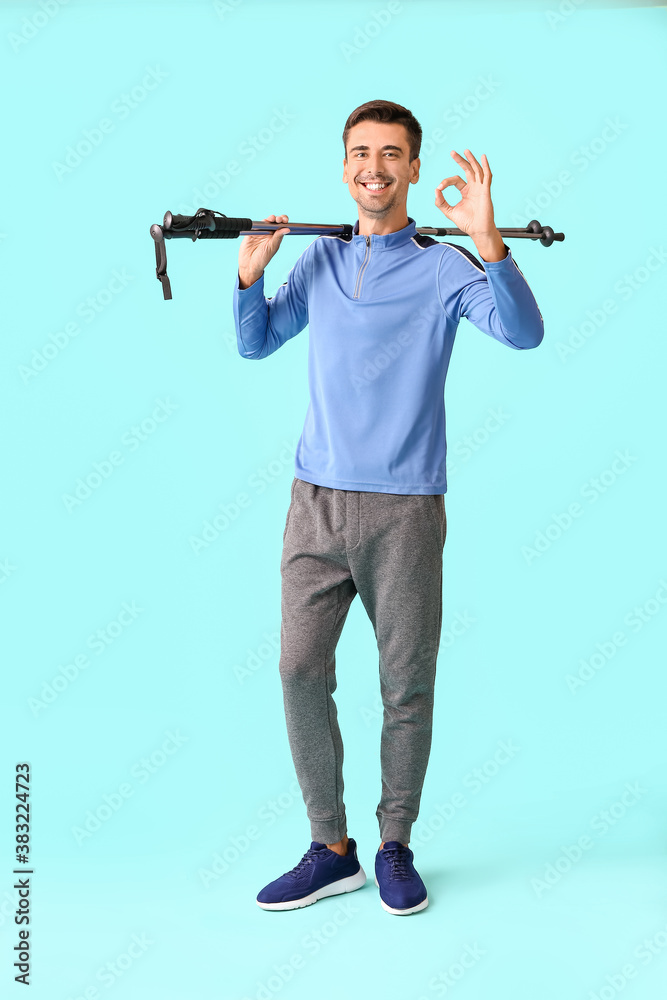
(537, 89)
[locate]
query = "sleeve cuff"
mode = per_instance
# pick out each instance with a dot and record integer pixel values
(256, 287)
(498, 263)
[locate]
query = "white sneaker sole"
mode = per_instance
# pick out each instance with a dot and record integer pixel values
(348, 884)
(402, 913)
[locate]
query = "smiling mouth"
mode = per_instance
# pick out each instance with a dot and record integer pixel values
(375, 188)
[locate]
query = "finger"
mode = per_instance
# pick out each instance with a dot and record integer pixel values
(487, 169)
(454, 181)
(470, 171)
(475, 166)
(479, 170)
(461, 160)
(440, 200)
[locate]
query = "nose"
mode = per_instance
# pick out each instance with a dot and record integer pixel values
(373, 167)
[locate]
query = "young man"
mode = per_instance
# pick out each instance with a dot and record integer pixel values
(367, 510)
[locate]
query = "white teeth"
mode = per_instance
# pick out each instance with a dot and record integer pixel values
(375, 187)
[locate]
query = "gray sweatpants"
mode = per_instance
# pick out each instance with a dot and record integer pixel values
(388, 548)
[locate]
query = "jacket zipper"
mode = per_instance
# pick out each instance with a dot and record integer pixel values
(363, 267)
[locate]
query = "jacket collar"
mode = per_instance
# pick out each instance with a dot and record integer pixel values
(385, 241)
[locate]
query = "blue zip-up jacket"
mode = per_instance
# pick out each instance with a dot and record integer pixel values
(382, 312)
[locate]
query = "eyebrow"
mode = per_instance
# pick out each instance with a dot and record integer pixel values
(400, 150)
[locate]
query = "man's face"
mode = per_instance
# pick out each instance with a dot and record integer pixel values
(377, 151)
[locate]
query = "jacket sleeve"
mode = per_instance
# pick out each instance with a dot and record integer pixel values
(265, 324)
(494, 296)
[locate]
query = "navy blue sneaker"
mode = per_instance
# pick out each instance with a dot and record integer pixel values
(401, 889)
(321, 872)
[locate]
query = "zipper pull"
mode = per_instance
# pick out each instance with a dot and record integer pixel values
(368, 241)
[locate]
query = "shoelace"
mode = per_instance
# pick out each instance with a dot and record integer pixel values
(309, 858)
(398, 859)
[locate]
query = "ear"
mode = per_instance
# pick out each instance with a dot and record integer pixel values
(414, 170)
(344, 170)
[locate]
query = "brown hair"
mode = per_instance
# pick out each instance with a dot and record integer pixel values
(386, 111)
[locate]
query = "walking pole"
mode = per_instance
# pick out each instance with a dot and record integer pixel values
(209, 224)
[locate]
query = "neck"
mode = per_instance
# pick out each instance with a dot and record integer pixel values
(370, 225)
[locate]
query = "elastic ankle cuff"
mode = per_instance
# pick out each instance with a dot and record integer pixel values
(394, 832)
(329, 832)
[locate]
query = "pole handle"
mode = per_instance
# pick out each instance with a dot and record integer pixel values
(205, 223)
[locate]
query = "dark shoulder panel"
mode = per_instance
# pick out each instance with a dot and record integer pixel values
(471, 257)
(466, 253)
(428, 241)
(425, 241)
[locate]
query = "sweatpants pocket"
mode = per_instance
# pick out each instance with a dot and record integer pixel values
(289, 509)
